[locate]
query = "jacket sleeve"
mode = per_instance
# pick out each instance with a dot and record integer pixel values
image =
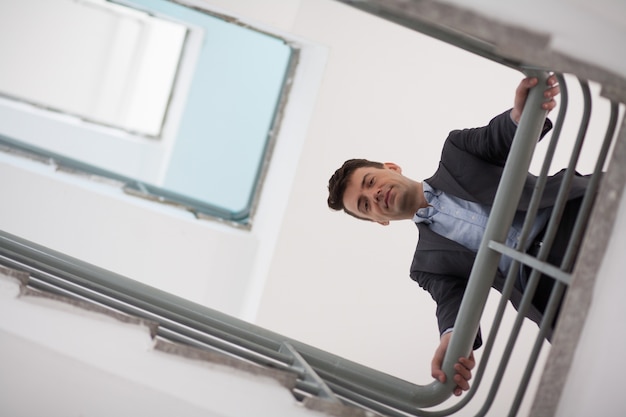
(491, 143)
(448, 294)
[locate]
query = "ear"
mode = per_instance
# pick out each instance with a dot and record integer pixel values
(393, 167)
(385, 223)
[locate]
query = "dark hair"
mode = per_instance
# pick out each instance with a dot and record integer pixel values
(339, 181)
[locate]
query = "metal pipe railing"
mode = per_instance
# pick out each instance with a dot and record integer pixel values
(123, 294)
(512, 274)
(533, 281)
(569, 257)
(253, 343)
(321, 373)
(500, 219)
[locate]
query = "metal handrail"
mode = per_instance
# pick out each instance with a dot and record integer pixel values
(500, 220)
(510, 280)
(185, 322)
(535, 275)
(321, 372)
(191, 320)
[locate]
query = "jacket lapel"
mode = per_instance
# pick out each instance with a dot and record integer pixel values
(438, 255)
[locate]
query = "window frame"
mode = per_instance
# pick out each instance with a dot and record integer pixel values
(35, 114)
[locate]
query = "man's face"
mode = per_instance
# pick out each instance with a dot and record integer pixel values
(381, 194)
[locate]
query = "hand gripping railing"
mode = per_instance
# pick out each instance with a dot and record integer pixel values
(500, 220)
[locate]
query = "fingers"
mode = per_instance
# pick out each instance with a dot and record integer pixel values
(552, 91)
(549, 93)
(440, 352)
(463, 374)
(435, 367)
(522, 90)
(439, 376)
(469, 362)
(521, 93)
(529, 82)
(463, 368)
(552, 80)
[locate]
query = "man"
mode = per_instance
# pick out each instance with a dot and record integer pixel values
(450, 210)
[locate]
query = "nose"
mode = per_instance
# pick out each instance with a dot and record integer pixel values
(377, 195)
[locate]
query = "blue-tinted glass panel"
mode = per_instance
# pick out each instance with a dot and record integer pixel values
(230, 108)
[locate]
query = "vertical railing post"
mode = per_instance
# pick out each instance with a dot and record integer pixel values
(500, 220)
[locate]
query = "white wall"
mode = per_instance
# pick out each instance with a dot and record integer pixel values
(207, 262)
(60, 360)
(158, 245)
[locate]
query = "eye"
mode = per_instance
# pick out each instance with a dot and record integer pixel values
(371, 181)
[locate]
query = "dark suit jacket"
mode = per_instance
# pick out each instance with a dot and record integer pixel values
(472, 163)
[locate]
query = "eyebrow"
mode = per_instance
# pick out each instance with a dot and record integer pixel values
(364, 180)
(359, 204)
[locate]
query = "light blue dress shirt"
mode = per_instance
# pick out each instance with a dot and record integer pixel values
(465, 222)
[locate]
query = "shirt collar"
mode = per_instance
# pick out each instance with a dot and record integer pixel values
(424, 215)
